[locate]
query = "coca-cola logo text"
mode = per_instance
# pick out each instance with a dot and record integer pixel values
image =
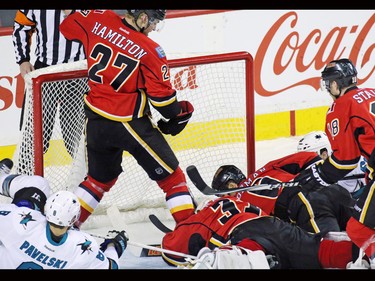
(293, 50)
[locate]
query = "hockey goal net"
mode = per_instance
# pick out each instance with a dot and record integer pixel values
(221, 130)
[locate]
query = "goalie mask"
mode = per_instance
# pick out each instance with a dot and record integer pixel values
(316, 141)
(225, 174)
(62, 208)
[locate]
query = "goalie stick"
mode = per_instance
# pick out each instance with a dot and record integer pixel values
(198, 181)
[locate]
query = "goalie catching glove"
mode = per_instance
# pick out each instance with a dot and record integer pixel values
(119, 242)
(175, 125)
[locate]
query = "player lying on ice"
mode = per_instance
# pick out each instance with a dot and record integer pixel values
(283, 245)
(314, 211)
(257, 240)
(39, 233)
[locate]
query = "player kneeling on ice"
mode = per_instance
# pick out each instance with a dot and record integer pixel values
(37, 232)
(227, 220)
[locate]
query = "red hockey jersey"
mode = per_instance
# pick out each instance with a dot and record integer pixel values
(126, 68)
(283, 169)
(210, 227)
(350, 127)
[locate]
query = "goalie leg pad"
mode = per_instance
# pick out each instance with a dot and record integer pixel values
(231, 257)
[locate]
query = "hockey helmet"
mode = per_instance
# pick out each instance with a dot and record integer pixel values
(342, 71)
(316, 141)
(225, 174)
(62, 208)
(153, 15)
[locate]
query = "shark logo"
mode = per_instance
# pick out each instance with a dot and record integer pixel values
(25, 218)
(85, 246)
(318, 137)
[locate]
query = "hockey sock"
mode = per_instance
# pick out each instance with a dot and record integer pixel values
(362, 236)
(90, 192)
(178, 197)
(250, 245)
(335, 254)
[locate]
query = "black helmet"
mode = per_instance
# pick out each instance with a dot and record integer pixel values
(152, 14)
(342, 71)
(225, 174)
(31, 197)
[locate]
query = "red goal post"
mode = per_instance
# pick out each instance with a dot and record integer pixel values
(221, 130)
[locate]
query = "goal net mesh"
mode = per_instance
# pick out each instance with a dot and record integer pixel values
(221, 131)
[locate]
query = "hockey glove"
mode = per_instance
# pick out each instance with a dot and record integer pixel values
(175, 125)
(119, 241)
(312, 179)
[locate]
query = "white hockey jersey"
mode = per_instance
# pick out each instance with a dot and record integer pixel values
(354, 185)
(26, 243)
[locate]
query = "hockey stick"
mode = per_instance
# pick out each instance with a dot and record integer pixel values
(159, 225)
(163, 228)
(197, 180)
(353, 177)
(118, 222)
(147, 253)
(144, 246)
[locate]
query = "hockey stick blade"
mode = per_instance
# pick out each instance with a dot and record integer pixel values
(197, 180)
(159, 225)
(145, 252)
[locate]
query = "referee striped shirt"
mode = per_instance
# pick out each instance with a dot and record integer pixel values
(51, 47)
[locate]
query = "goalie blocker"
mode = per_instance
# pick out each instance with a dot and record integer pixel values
(175, 125)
